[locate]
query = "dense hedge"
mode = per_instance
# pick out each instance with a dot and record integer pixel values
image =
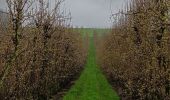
(39, 52)
(136, 54)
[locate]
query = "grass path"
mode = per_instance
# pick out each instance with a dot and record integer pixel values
(92, 85)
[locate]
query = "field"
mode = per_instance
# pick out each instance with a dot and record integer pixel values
(92, 84)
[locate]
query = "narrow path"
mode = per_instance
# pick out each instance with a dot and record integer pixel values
(92, 85)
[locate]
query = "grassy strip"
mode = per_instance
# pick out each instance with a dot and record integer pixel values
(92, 85)
(90, 31)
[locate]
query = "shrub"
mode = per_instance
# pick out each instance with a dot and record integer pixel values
(135, 55)
(39, 53)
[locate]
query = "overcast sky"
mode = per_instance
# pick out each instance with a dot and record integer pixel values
(90, 13)
(2, 4)
(93, 13)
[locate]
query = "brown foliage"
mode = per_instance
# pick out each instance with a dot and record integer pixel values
(39, 52)
(135, 55)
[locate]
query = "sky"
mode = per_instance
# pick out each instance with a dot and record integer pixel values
(89, 13)
(93, 13)
(2, 4)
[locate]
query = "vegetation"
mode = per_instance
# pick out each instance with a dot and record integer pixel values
(90, 31)
(39, 52)
(135, 55)
(92, 85)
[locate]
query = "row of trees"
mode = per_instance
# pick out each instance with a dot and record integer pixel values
(39, 52)
(136, 54)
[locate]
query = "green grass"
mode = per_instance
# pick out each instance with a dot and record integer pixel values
(90, 31)
(92, 85)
